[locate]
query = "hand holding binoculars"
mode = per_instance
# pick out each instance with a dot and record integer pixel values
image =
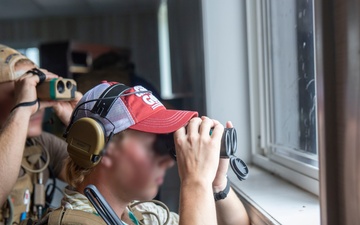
(57, 89)
(228, 149)
(164, 144)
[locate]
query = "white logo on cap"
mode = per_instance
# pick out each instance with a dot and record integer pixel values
(147, 97)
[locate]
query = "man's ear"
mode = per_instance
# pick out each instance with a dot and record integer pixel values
(106, 161)
(108, 158)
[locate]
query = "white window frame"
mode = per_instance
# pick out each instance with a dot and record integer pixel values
(258, 36)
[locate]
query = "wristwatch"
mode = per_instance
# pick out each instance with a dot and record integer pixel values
(222, 194)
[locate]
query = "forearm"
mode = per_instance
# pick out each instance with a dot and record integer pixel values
(12, 142)
(197, 205)
(62, 175)
(231, 211)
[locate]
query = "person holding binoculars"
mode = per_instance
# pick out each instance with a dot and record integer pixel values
(117, 153)
(28, 155)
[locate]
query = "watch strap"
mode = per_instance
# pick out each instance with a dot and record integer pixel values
(222, 194)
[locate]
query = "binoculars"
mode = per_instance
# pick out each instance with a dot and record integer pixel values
(228, 143)
(228, 149)
(57, 89)
(164, 144)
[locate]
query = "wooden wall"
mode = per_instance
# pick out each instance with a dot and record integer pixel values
(338, 72)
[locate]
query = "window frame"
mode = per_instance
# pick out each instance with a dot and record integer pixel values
(258, 36)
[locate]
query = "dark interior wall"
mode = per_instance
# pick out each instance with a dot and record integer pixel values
(188, 73)
(187, 53)
(136, 31)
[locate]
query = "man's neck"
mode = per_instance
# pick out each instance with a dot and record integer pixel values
(117, 205)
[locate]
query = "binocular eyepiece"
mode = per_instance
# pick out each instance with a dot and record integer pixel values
(57, 89)
(228, 149)
(164, 144)
(228, 143)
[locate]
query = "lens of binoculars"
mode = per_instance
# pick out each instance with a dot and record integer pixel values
(57, 89)
(228, 143)
(60, 86)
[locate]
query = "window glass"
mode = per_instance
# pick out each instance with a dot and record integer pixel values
(291, 81)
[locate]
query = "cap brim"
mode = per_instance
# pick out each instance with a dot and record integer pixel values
(164, 121)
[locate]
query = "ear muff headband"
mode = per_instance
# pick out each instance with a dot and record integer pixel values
(104, 104)
(86, 137)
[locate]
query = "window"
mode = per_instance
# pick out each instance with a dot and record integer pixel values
(31, 53)
(164, 52)
(282, 86)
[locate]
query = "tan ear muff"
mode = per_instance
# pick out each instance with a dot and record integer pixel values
(86, 137)
(86, 140)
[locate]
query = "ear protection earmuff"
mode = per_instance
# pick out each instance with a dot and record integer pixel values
(86, 137)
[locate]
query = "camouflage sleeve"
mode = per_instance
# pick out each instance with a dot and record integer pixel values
(148, 209)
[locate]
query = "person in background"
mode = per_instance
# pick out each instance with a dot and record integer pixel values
(28, 155)
(113, 66)
(119, 141)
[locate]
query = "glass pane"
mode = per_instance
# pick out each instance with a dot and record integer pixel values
(292, 80)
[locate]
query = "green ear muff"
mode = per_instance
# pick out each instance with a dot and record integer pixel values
(86, 140)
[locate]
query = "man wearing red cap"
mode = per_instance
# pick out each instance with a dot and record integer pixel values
(27, 153)
(116, 144)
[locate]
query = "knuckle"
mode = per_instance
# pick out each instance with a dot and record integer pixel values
(193, 138)
(178, 141)
(195, 120)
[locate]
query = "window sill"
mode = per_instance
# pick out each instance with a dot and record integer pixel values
(271, 200)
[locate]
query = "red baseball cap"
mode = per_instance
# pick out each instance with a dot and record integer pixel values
(136, 108)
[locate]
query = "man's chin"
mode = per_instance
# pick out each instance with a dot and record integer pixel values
(34, 132)
(151, 195)
(147, 195)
